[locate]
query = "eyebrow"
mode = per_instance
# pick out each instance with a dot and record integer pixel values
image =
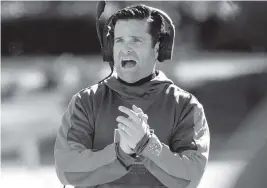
(131, 36)
(139, 37)
(118, 38)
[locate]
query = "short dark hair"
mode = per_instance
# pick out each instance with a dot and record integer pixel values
(141, 12)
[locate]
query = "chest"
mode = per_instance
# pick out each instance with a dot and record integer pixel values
(161, 118)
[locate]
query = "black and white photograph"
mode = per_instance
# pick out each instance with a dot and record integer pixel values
(133, 94)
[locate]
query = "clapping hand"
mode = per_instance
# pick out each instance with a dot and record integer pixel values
(131, 129)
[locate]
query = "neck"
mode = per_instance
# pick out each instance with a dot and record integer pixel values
(141, 81)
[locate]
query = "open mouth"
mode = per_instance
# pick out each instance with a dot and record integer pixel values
(128, 63)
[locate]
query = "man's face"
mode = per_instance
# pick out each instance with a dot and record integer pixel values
(134, 56)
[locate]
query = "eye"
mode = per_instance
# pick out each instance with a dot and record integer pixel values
(137, 40)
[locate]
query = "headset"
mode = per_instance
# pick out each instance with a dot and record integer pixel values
(166, 38)
(107, 41)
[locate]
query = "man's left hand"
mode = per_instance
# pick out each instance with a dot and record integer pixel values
(134, 127)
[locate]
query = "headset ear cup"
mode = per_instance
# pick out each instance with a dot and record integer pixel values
(107, 45)
(165, 47)
(161, 54)
(168, 47)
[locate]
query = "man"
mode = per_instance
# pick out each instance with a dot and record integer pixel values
(164, 136)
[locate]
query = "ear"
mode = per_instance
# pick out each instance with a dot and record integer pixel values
(156, 50)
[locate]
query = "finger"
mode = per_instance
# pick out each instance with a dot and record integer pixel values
(123, 127)
(139, 111)
(144, 117)
(122, 133)
(136, 109)
(129, 112)
(125, 121)
(126, 129)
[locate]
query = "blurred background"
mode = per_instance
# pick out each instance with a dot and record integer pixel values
(50, 50)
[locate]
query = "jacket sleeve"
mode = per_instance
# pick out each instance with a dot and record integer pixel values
(184, 162)
(75, 162)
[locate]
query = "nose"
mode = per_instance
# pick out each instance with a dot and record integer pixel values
(127, 49)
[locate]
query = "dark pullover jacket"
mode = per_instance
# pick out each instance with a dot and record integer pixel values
(175, 155)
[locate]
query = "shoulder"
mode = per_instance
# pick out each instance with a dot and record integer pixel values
(182, 97)
(90, 96)
(188, 107)
(91, 92)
